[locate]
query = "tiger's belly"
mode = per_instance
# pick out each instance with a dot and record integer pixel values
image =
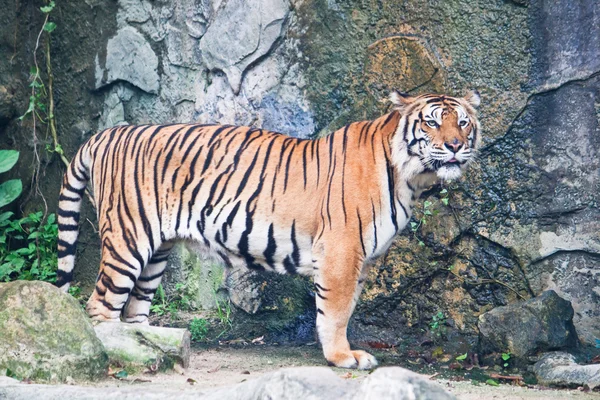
(265, 247)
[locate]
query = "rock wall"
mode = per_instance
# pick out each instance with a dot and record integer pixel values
(524, 220)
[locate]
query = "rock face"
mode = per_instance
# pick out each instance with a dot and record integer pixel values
(522, 221)
(524, 329)
(258, 24)
(139, 346)
(560, 369)
(311, 383)
(46, 336)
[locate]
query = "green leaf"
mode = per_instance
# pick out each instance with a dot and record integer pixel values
(48, 8)
(9, 191)
(8, 159)
(461, 357)
(506, 356)
(427, 204)
(5, 216)
(443, 191)
(49, 27)
(492, 382)
(445, 201)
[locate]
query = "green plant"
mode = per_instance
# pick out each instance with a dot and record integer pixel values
(159, 304)
(28, 247)
(198, 328)
(428, 211)
(223, 310)
(462, 357)
(438, 325)
(12, 188)
(163, 304)
(505, 358)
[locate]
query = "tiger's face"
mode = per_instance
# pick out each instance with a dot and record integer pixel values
(442, 131)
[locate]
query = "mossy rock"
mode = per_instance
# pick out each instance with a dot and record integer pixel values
(46, 336)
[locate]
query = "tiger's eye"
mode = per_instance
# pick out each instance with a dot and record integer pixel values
(432, 124)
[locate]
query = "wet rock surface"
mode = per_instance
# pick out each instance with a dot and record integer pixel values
(561, 369)
(46, 336)
(524, 329)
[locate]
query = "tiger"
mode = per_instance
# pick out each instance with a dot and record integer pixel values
(324, 207)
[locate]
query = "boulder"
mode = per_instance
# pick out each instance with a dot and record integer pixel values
(46, 336)
(139, 346)
(524, 329)
(561, 369)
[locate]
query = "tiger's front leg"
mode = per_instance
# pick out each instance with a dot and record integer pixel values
(338, 283)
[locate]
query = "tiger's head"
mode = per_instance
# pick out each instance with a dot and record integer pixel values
(442, 131)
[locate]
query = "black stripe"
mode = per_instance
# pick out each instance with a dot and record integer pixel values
(67, 227)
(63, 277)
(360, 233)
(271, 248)
(62, 197)
(121, 271)
(69, 248)
(151, 277)
(374, 225)
(70, 188)
(296, 249)
(110, 306)
(110, 285)
(321, 287)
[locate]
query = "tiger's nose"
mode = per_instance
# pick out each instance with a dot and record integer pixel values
(454, 145)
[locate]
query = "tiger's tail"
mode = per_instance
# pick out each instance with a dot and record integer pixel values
(69, 204)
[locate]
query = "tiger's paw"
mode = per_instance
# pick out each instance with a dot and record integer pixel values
(353, 359)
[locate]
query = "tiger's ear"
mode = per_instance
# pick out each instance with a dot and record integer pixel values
(400, 100)
(473, 98)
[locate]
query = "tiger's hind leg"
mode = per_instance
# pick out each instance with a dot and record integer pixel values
(338, 283)
(137, 308)
(120, 268)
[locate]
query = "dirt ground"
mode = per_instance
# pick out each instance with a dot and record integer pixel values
(227, 365)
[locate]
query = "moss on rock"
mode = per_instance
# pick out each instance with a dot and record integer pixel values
(46, 335)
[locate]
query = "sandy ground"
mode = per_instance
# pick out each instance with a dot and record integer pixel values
(213, 367)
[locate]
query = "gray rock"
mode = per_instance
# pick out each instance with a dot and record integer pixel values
(130, 58)
(561, 369)
(232, 47)
(139, 346)
(46, 336)
(399, 383)
(310, 383)
(566, 40)
(539, 324)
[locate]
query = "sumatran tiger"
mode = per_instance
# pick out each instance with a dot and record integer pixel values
(325, 207)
